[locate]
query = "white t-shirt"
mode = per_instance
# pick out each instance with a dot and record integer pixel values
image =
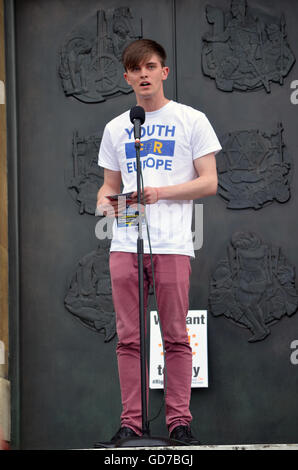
(171, 138)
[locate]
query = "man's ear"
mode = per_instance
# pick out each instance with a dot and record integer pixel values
(165, 72)
(126, 78)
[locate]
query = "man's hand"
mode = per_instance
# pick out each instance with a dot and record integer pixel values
(110, 208)
(150, 195)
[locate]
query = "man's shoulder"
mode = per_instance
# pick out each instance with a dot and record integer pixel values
(120, 120)
(187, 109)
(188, 114)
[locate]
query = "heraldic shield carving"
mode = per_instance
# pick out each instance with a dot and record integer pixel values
(90, 59)
(254, 169)
(89, 295)
(254, 286)
(246, 50)
(85, 177)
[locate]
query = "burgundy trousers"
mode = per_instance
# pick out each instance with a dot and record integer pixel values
(171, 274)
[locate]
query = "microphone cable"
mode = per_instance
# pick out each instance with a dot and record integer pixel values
(155, 298)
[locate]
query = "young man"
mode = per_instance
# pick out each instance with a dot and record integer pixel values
(178, 164)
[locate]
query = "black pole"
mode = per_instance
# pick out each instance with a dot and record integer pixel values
(140, 250)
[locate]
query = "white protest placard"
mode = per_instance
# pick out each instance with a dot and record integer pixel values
(196, 324)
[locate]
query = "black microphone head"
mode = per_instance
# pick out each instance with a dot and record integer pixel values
(137, 112)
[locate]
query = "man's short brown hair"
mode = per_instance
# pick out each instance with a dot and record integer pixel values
(140, 50)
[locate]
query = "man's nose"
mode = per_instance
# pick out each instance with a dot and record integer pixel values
(143, 72)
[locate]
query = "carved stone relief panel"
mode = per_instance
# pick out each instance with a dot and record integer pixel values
(254, 285)
(254, 168)
(90, 66)
(246, 49)
(89, 295)
(85, 177)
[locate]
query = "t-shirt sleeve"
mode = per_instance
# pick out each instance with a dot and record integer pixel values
(203, 138)
(107, 155)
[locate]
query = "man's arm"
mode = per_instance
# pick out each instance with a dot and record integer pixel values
(204, 185)
(111, 185)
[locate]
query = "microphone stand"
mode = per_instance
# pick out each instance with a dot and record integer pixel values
(140, 251)
(145, 440)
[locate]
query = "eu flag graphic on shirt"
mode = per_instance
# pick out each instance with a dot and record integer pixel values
(158, 155)
(161, 148)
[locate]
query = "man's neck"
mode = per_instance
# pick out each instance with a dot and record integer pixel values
(150, 105)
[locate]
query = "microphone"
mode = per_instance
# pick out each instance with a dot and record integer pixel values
(137, 117)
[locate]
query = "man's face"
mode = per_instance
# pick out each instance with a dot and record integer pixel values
(147, 78)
